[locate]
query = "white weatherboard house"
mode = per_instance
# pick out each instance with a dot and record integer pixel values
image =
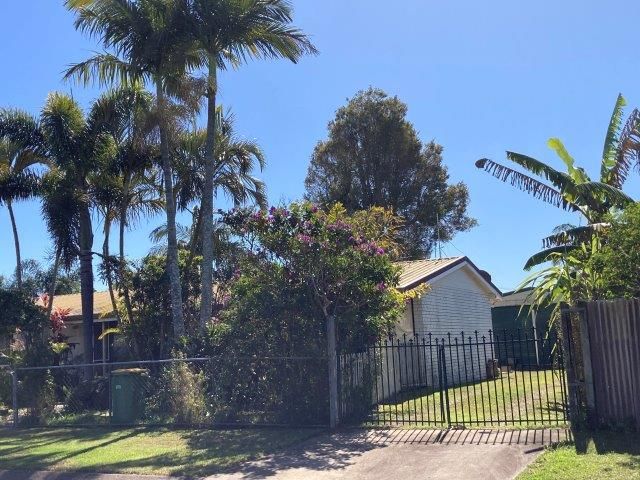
(459, 299)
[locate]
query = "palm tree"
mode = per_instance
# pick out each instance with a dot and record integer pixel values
(227, 33)
(149, 40)
(60, 212)
(126, 190)
(574, 190)
(78, 148)
(21, 147)
(235, 161)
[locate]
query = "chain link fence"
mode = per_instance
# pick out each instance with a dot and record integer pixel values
(6, 392)
(217, 391)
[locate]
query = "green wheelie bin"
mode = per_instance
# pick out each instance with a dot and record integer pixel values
(128, 395)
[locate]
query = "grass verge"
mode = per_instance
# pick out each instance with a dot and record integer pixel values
(595, 455)
(141, 450)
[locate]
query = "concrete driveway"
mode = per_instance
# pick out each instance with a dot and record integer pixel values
(379, 455)
(404, 454)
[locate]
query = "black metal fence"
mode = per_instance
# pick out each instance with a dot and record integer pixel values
(182, 392)
(511, 378)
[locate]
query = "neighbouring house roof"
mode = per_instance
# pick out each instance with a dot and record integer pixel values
(101, 304)
(416, 272)
(515, 298)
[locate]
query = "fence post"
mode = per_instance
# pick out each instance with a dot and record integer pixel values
(333, 371)
(585, 341)
(14, 396)
(568, 357)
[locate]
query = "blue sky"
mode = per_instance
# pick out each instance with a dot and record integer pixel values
(479, 78)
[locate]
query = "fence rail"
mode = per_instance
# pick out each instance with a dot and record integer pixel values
(225, 390)
(492, 380)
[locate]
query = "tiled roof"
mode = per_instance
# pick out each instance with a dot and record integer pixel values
(416, 271)
(101, 303)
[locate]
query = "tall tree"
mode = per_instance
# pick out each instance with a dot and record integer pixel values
(227, 33)
(21, 147)
(374, 157)
(144, 40)
(126, 189)
(78, 148)
(574, 190)
(235, 161)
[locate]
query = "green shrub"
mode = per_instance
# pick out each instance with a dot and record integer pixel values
(36, 393)
(88, 395)
(5, 388)
(181, 395)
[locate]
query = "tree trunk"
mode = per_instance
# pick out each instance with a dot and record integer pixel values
(122, 262)
(206, 210)
(193, 241)
(54, 280)
(107, 264)
(16, 243)
(173, 269)
(86, 286)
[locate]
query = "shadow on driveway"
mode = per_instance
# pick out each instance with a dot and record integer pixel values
(404, 454)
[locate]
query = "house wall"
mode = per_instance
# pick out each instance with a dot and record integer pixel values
(456, 303)
(75, 338)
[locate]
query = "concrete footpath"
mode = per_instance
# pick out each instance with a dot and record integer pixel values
(380, 455)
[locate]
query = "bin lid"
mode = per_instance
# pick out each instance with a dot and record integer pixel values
(130, 371)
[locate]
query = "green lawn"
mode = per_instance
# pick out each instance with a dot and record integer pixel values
(602, 455)
(507, 401)
(139, 450)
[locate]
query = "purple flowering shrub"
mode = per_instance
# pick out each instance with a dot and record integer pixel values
(325, 263)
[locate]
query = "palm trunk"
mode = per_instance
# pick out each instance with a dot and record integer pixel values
(86, 286)
(54, 280)
(16, 243)
(206, 211)
(107, 264)
(173, 268)
(122, 263)
(193, 242)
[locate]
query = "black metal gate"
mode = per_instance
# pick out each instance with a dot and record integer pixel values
(511, 378)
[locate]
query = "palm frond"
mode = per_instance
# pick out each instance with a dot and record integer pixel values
(527, 184)
(628, 152)
(231, 33)
(548, 255)
(578, 175)
(18, 185)
(561, 181)
(601, 197)
(105, 69)
(23, 130)
(612, 139)
(571, 235)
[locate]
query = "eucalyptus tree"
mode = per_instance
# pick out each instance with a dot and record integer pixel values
(144, 40)
(21, 148)
(574, 190)
(227, 33)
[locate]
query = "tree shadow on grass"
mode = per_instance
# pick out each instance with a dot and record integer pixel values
(254, 454)
(28, 439)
